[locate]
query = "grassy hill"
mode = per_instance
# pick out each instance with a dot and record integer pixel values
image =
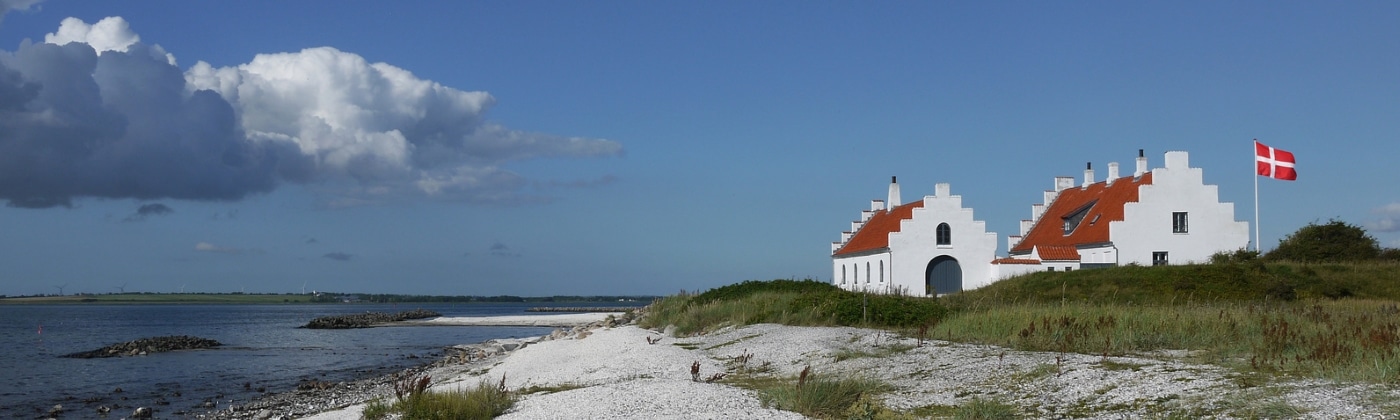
(1336, 321)
(1228, 282)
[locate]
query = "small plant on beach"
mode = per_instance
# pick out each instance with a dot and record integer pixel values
(484, 401)
(821, 397)
(410, 387)
(984, 409)
(695, 371)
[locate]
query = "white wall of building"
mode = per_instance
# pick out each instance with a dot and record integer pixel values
(863, 273)
(1006, 271)
(1147, 224)
(914, 246)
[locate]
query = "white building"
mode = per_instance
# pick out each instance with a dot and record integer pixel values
(1163, 216)
(928, 246)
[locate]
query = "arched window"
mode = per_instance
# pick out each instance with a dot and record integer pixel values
(867, 271)
(945, 234)
(882, 271)
(843, 274)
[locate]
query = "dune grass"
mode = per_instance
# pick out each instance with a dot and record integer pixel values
(1351, 339)
(818, 395)
(789, 302)
(414, 402)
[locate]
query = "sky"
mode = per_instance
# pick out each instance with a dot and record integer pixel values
(544, 148)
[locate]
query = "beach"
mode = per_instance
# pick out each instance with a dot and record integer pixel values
(615, 369)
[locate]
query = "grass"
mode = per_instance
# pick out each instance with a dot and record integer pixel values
(821, 397)
(413, 402)
(985, 409)
(1349, 340)
(879, 351)
(788, 302)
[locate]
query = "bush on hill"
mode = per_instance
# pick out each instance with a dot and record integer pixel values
(1335, 241)
(1253, 280)
(790, 302)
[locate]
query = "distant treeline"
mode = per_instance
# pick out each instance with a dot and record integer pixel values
(392, 298)
(319, 297)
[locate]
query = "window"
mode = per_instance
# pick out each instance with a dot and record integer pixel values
(1072, 220)
(867, 271)
(1051, 269)
(843, 274)
(945, 234)
(1159, 258)
(1069, 269)
(1179, 222)
(882, 271)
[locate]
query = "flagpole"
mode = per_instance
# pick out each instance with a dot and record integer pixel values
(1256, 195)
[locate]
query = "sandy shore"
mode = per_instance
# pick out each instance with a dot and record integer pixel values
(616, 373)
(553, 320)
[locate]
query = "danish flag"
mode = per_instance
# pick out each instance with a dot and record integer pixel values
(1275, 163)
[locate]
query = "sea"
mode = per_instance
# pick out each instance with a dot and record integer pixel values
(262, 349)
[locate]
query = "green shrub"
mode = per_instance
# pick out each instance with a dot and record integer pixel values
(1336, 241)
(485, 401)
(751, 287)
(790, 302)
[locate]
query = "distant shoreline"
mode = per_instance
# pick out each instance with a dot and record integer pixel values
(301, 299)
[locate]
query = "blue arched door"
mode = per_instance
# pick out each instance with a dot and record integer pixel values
(942, 276)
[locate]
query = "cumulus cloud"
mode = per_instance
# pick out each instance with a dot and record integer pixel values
(338, 256)
(148, 210)
(1388, 218)
(208, 247)
(95, 112)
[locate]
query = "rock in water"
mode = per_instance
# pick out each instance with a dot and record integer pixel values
(141, 413)
(148, 345)
(367, 319)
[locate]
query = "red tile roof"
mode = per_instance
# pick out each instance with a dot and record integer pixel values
(875, 234)
(1015, 261)
(1107, 201)
(1058, 252)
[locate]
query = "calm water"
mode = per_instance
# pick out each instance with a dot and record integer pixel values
(261, 346)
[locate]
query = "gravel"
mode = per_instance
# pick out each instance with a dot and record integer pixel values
(617, 372)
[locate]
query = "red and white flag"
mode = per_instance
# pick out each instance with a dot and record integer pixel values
(1275, 163)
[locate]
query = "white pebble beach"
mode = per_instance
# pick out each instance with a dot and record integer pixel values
(625, 373)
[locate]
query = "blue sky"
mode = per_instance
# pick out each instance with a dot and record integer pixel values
(541, 148)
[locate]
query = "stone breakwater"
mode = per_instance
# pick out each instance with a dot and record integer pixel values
(146, 346)
(367, 319)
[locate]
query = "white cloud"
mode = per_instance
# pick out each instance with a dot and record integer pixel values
(94, 112)
(1388, 218)
(208, 247)
(377, 123)
(112, 33)
(7, 5)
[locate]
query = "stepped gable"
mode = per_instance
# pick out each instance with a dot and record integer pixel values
(1107, 200)
(875, 233)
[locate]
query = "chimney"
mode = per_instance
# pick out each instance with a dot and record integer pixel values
(1141, 165)
(894, 195)
(1088, 174)
(1112, 172)
(1063, 183)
